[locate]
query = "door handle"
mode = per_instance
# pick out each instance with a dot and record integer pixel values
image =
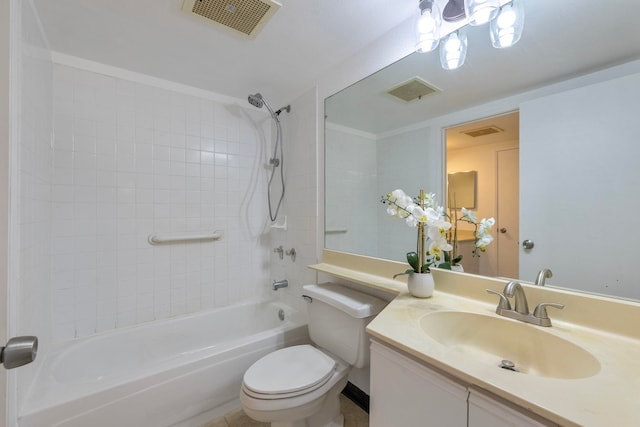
(19, 351)
(503, 230)
(527, 244)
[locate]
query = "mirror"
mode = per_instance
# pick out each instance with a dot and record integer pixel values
(375, 143)
(461, 190)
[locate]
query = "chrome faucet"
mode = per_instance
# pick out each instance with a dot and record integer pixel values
(514, 290)
(280, 251)
(543, 275)
(277, 284)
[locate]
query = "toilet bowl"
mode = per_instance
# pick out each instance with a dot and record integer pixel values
(300, 386)
(295, 386)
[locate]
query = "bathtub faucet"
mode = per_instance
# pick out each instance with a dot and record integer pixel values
(277, 284)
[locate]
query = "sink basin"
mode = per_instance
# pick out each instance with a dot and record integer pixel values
(491, 340)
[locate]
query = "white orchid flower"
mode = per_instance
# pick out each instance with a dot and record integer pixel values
(396, 195)
(484, 241)
(469, 214)
(485, 226)
(430, 200)
(433, 215)
(438, 247)
(438, 229)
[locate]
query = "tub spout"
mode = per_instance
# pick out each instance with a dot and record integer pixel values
(277, 284)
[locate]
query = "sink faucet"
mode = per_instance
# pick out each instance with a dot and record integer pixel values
(543, 275)
(277, 284)
(520, 311)
(514, 289)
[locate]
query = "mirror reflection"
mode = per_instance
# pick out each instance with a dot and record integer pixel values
(572, 95)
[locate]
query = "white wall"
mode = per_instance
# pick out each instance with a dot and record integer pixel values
(352, 189)
(409, 160)
(300, 203)
(579, 186)
(131, 159)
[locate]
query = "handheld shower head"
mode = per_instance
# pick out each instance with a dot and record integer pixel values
(256, 100)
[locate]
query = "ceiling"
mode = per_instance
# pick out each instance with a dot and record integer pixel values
(561, 39)
(306, 38)
(154, 37)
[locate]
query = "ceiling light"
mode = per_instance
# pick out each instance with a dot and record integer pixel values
(428, 26)
(506, 28)
(481, 12)
(454, 11)
(507, 22)
(453, 50)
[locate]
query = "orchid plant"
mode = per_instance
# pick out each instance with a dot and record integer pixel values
(433, 248)
(424, 213)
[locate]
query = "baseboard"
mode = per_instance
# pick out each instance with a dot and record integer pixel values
(357, 396)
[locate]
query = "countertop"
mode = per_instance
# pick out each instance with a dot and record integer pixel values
(605, 327)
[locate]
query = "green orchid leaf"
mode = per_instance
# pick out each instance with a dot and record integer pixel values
(457, 260)
(445, 266)
(412, 259)
(409, 271)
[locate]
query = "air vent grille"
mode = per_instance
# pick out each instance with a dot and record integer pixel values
(244, 17)
(487, 130)
(411, 90)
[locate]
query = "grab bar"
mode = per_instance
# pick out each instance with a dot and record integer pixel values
(336, 230)
(155, 239)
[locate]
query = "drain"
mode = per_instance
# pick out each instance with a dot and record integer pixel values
(508, 365)
(281, 314)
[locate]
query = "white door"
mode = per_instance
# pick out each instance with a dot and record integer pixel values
(579, 181)
(507, 227)
(4, 189)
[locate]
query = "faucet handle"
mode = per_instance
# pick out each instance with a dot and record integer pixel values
(541, 309)
(503, 304)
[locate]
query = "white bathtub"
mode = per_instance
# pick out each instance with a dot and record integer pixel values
(175, 372)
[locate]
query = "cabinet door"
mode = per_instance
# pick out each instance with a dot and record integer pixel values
(488, 411)
(406, 393)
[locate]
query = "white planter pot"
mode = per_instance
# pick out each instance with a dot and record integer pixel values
(457, 268)
(420, 285)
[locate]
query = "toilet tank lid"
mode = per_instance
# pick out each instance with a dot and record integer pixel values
(352, 302)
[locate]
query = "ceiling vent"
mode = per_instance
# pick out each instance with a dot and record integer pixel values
(411, 90)
(487, 130)
(243, 17)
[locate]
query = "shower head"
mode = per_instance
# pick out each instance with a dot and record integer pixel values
(256, 100)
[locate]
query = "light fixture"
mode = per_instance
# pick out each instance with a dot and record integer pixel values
(507, 27)
(481, 12)
(428, 26)
(453, 11)
(506, 24)
(453, 50)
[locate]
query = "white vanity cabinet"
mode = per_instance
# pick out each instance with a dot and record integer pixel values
(489, 411)
(408, 393)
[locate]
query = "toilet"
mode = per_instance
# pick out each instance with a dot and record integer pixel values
(300, 385)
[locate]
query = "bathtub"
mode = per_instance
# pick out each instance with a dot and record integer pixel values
(176, 372)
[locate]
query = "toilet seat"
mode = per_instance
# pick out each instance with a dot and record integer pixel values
(288, 372)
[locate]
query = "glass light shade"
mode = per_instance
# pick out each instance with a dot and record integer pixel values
(428, 26)
(506, 29)
(453, 50)
(481, 12)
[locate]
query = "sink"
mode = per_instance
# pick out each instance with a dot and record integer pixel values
(491, 340)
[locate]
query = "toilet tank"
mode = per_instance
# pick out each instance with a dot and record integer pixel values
(338, 317)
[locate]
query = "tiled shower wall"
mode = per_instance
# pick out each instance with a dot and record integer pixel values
(131, 159)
